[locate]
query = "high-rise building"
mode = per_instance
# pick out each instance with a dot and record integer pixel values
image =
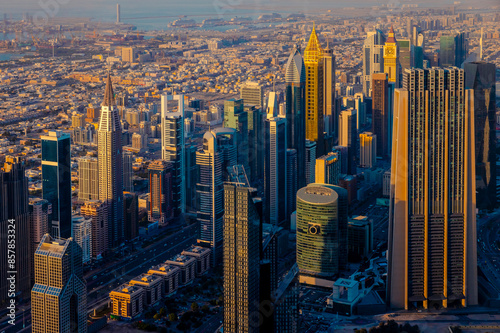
(160, 192)
(373, 58)
(380, 112)
(128, 172)
(173, 149)
(241, 260)
(348, 137)
(328, 168)
(329, 90)
(480, 77)
(219, 152)
(453, 49)
(82, 235)
(391, 59)
(111, 165)
(367, 150)
(275, 165)
(314, 103)
(432, 218)
(311, 154)
(406, 54)
(131, 215)
(291, 182)
(14, 215)
(98, 212)
(88, 178)
(321, 230)
(191, 177)
(236, 117)
(252, 94)
(59, 296)
(40, 212)
(255, 143)
(295, 79)
(56, 180)
(77, 120)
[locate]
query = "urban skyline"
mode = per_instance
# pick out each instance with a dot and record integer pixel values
(274, 172)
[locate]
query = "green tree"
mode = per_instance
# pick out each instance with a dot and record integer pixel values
(172, 317)
(194, 306)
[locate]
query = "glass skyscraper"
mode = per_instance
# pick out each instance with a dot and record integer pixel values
(56, 183)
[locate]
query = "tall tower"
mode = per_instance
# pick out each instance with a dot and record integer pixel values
(88, 178)
(252, 94)
(367, 149)
(329, 91)
(98, 212)
(480, 77)
(236, 117)
(432, 217)
(241, 260)
(59, 296)
(14, 215)
(314, 63)
(391, 59)
(128, 172)
(321, 230)
(160, 192)
(373, 58)
(295, 79)
(56, 184)
(111, 165)
(275, 171)
(328, 168)
(219, 152)
(348, 137)
(380, 112)
(173, 148)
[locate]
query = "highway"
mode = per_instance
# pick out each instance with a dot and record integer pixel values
(108, 278)
(488, 254)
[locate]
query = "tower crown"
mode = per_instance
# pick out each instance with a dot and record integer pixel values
(391, 38)
(109, 96)
(313, 50)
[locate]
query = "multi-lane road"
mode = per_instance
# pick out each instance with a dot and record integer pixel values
(101, 282)
(488, 256)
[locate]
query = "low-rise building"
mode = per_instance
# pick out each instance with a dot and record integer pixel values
(202, 256)
(127, 301)
(152, 285)
(187, 266)
(170, 275)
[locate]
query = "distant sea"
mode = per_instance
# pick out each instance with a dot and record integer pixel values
(156, 14)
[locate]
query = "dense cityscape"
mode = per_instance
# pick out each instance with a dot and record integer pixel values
(326, 170)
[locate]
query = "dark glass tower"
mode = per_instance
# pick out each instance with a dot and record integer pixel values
(241, 260)
(432, 218)
(14, 215)
(295, 78)
(380, 112)
(56, 184)
(480, 77)
(453, 50)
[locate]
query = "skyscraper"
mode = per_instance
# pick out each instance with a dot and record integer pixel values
(367, 150)
(236, 117)
(373, 58)
(59, 296)
(219, 152)
(88, 178)
(40, 219)
(173, 149)
(275, 165)
(391, 59)
(98, 212)
(432, 220)
(255, 143)
(329, 90)
(191, 177)
(131, 215)
(291, 182)
(295, 79)
(14, 215)
(111, 165)
(328, 168)
(311, 154)
(82, 235)
(160, 192)
(453, 49)
(252, 94)
(321, 230)
(380, 112)
(241, 260)
(314, 66)
(480, 77)
(348, 137)
(56, 183)
(128, 172)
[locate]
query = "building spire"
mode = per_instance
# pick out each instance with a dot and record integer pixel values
(391, 38)
(109, 96)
